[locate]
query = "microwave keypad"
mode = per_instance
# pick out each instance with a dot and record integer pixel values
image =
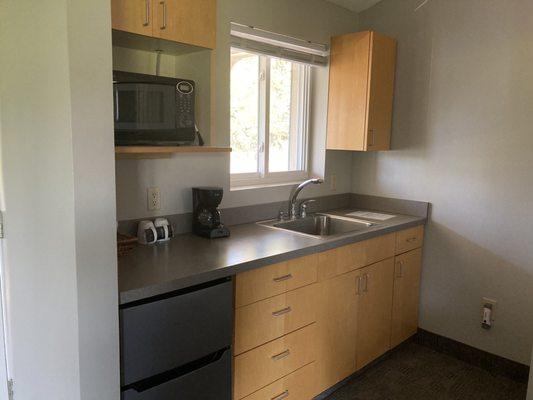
(185, 105)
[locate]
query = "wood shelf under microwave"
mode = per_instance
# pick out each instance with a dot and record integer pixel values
(164, 151)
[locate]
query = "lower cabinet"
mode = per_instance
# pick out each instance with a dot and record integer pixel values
(406, 296)
(374, 314)
(337, 329)
(265, 364)
(299, 332)
(299, 385)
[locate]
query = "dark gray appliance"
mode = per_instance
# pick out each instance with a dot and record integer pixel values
(178, 345)
(153, 110)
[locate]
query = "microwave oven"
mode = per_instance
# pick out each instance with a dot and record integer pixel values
(153, 110)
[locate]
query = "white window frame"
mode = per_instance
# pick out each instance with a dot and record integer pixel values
(264, 177)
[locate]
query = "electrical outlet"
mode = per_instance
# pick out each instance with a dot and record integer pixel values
(488, 312)
(333, 182)
(154, 199)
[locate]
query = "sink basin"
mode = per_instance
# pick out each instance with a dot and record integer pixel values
(321, 225)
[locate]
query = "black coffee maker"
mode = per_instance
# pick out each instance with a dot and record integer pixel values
(206, 217)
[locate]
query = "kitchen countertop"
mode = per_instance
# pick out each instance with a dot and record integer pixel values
(186, 260)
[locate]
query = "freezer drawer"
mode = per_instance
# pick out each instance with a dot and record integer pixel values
(210, 382)
(171, 331)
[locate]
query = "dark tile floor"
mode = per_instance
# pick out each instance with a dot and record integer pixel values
(415, 372)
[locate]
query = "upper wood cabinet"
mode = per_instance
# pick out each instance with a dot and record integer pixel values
(361, 86)
(133, 16)
(185, 21)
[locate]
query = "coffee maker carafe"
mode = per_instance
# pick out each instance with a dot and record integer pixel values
(206, 217)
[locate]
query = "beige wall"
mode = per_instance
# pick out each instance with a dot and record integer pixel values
(462, 141)
(58, 167)
(177, 175)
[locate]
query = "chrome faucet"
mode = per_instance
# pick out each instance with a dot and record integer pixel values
(293, 214)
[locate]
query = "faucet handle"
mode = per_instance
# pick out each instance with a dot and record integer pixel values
(303, 207)
(282, 215)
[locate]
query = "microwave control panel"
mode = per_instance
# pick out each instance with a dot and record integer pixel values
(185, 104)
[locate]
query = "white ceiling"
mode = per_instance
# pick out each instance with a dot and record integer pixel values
(355, 5)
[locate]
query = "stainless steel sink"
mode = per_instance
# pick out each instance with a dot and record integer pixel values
(320, 225)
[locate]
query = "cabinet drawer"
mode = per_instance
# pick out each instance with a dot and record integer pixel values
(261, 283)
(358, 255)
(190, 384)
(272, 318)
(300, 385)
(409, 239)
(260, 367)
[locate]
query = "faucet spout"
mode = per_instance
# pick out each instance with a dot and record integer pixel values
(296, 192)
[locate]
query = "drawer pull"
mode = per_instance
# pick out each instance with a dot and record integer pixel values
(283, 278)
(400, 269)
(411, 240)
(281, 355)
(281, 312)
(281, 396)
(365, 281)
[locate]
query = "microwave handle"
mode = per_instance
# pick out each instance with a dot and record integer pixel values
(116, 106)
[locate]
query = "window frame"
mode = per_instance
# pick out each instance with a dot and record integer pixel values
(264, 177)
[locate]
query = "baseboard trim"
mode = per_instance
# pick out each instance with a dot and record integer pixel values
(492, 363)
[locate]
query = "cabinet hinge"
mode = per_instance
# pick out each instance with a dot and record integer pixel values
(10, 390)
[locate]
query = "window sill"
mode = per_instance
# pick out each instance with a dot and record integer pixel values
(236, 188)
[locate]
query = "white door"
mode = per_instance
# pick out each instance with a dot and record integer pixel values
(3, 356)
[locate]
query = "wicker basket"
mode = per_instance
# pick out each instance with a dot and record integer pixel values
(125, 244)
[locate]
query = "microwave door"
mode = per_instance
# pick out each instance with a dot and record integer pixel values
(141, 107)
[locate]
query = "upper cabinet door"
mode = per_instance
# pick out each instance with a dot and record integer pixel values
(348, 88)
(381, 91)
(133, 16)
(361, 85)
(186, 21)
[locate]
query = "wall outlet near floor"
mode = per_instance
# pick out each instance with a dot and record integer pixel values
(488, 312)
(154, 199)
(333, 182)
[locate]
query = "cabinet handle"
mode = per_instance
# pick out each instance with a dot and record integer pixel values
(411, 240)
(281, 396)
(372, 136)
(282, 278)
(358, 286)
(365, 278)
(400, 270)
(281, 312)
(281, 355)
(146, 13)
(164, 4)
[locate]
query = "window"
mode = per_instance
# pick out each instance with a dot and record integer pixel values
(269, 119)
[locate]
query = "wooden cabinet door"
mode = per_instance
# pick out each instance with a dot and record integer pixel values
(380, 93)
(348, 88)
(406, 296)
(186, 21)
(133, 16)
(361, 87)
(336, 329)
(374, 313)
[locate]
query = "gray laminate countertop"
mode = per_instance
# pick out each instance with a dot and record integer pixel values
(186, 260)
